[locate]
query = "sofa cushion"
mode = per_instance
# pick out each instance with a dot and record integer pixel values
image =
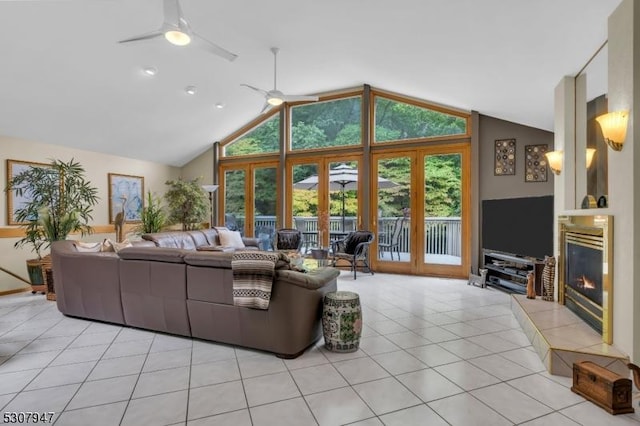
(230, 239)
(222, 259)
(176, 239)
(161, 254)
(215, 259)
(199, 239)
(212, 236)
(84, 247)
(313, 280)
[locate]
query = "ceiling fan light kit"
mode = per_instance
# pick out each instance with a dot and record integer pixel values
(177, 38)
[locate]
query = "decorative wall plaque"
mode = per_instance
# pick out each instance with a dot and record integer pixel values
(535, 163)
(505, 157)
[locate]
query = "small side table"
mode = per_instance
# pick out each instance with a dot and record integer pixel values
(342, 321)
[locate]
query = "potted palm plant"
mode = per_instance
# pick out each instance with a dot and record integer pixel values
(60, 201)
(153, 217)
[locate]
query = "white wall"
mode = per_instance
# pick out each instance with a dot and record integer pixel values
(97, 167)
(200, 167)
(624, 172)
(624, 176)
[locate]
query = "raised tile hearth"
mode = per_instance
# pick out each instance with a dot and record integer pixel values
(561, 338)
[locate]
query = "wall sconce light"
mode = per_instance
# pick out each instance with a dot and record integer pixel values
(590, 153)
(614, 128)
(554, 158)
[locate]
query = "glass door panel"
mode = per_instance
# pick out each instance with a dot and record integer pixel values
(234, 200)
(344, 180)
(265, 204)
(443, 209)
(392, 204)
(305, 202)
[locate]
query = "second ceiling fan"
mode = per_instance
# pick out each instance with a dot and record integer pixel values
(275, 97)
(177, 31)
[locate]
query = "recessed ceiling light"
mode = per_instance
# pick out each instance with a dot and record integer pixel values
(219, 105)
(190, 90)
(150, 71)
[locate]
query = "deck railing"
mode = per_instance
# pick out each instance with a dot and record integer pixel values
(443, 235)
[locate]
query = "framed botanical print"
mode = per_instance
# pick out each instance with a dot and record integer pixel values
(505, 157)
(126, 194)
(535, 163)
(14, 201)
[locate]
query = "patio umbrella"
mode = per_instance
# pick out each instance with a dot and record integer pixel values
(341, 178)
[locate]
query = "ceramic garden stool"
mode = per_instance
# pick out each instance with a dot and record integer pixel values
(342, 321)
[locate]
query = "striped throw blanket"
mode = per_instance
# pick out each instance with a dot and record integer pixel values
(253, 273)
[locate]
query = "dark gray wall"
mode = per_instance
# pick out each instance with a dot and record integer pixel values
(496, 187)
(493, 187)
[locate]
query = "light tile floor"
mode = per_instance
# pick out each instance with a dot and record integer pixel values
(433, 352)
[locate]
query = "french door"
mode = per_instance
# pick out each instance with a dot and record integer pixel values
(422, 221)
(250, 198)
(322, 195)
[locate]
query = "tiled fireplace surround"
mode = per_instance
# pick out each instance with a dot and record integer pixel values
(558, 335)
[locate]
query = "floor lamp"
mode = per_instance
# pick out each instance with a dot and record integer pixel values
(210, 189)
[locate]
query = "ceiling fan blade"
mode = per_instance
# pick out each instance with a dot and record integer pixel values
(298, 98)
(147, 36)
(265, 108)
(214, 48)
(172, 12)
(262, 92)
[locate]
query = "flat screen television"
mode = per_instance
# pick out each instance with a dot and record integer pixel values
(522, 226)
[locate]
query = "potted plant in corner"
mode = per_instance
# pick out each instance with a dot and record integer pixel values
(188, 203)
(153, 217)
(60, 201)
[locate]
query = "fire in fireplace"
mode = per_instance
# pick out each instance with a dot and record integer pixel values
(584, 271)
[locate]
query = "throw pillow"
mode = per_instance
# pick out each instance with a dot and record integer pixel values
(106, 245)
(119, 246)
(230, 238)
(83, 247)
(113, 246)
(352, 241)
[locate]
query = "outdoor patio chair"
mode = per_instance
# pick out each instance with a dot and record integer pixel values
(354, 248)
(266, 235)
(307, 236)
(231, 223)
(287, 239)
(391, 242)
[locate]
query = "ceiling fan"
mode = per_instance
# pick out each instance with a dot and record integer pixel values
(275, 97)
(177, 31)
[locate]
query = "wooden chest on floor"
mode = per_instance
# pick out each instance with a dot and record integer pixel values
(602, 387)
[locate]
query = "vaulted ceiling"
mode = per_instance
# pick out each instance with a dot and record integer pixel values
(65, 80)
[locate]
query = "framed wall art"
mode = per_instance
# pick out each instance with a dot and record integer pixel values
(505, 157)
(126, 194)
(535, 163)
(15, 202)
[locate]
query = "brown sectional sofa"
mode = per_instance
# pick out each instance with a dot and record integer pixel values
(163, 283)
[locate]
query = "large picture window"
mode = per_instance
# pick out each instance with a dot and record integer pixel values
(327, 124)
(262, 139)
(397, 121)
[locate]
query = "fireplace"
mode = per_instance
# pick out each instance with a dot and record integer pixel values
(584, 278)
